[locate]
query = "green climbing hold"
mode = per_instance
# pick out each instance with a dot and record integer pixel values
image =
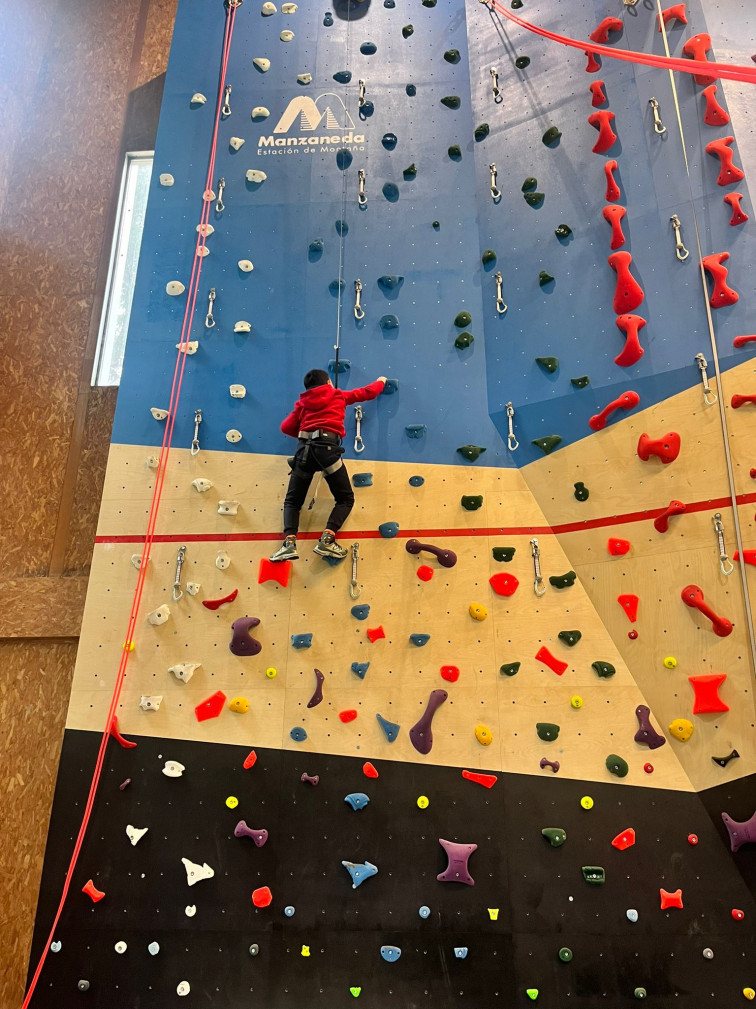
(549, 364)
(544, 278)
(581, 492)
(522, 61)
(570, 638)
(471, 502)
(529, 183)
(534, 199)
(455, 151)
(616, 765)
(410, 172)
(563, 581)
(594, 874)
(510, 668)
(407, 31)
(452, 55)
(464, 340)
(355, 991)
(489, 256)
(556, 836)
(503, 553)
(547, 444)
(481, 131)
(603, 669)
(565, 954)
(463, 319)
(532, 993)
(563, 231)
(551, 136)
(580, 383)
(640, 993)
(436, 225)
(470, 452)
(451, 102)
(547, 731)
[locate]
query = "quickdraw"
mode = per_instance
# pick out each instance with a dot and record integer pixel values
(359, 445)
(538, 584)
(177, 590)
(725, 564)
(195, 441)
(361, 197)
(226, 107)
(497, 95)
(512, 442)
(680, 251)
(361, 99)
(209, 320)
(220, 206)
(354, 589)
(359, 312)
(495, 191)
(710, 398)
(501, 306)
(659, 126)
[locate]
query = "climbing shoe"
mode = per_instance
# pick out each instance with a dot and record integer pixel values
(287, 551)
(328, 547)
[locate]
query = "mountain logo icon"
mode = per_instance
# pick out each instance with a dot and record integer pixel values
(328, 111)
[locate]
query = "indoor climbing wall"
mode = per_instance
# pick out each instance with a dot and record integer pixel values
(485, 757)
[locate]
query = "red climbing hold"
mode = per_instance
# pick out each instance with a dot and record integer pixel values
(630, 325)
(503, 584)
(648, 768)
(728, 172)
(602, 121)
(593, 66)
(629, 604)
(596, 88)
(348, 716)
(214, 604)
(601, 33)
(262, 897)
(91, 891)
(739, 400)
(211, 707)
(450, 673)
(612, 189)
(670, 899)
(749, 556)
(633, 635)
(487, 780)
(722, 294)
(693, 839)
(628, 293)
(693, 596)
(624, 840)
(127, 744)
(739, 216)
(741, 341)
(613, 215)
(375, 633)
(676, 13)
(666, 448)
(250, 760)
(368, 770)
(737, 914)
(544, 655)
(424, 573)
(697, 47)
(706, 689)
(617, 547)
(274, 572)
(661, 522)
(626, 401)
(714, 115)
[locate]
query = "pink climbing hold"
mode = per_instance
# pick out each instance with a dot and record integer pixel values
(424, 573)
(749, 556)
(612, 189)
(593, 66)
(714, 115)
(632, 352)
(617, 547)
(596, 89)
(666, 448)
(676, 13)
(722, 295)
(629, 604)
(602, 121)
(503, 584)
(374, 633)
(628, 293)
(556, 665)
(696, 48)
(274, 571)
(739, 399)
(728, 172)
(661, 522)
(739, 216)
(626, 401)
(706, 690)
(450, 673)
(211, 707)
(214, 604)
(624, 840)
(693, 596)
(601, 32)
(613, 215)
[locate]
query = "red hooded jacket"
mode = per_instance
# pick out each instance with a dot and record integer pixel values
(322, 408)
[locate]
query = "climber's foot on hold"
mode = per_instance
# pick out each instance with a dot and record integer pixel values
(287, 551)
(328, 547)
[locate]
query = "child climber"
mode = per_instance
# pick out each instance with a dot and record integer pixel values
(317, 420)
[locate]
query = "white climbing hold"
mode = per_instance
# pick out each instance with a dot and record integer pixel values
(289, 9)
(120, 947)
(208, 196)
(193, 588)
(202, 251)
(268, 9)
(150, 702)
(154, 948)
(157, 413)
(183, 988)
(188, 347)
(173, 769)
(190, 910)
(205, 229)
(56, 947)
(159, 616)
(237, 391)
(262, 63)
(136, 560)
(197, 99)
(222, 560)
(152, 461)
(260, 112)
(135, 834)
(632, 914)
(202, 485)
(286, 35)
(166, 179)
(255, 175)
(233, 436)
(304, 78)
(246, 265)
(184, 670)
(242, 327)
(228, 507)
(195, 872)
(174, 288)
(236, 143)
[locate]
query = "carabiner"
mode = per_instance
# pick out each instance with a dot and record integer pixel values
(195, 441)
(177, 590)
(710, 398)
(659, 126)
(354, 589)
(497, 95)
(495, 191)
(500, 303)
(538, 584)
(209, 320)
(220, 206)
(680, 251)
(361, 197)
(512, 442)
(359, 445)
(359, 312)
(725, 564)
(226, 108)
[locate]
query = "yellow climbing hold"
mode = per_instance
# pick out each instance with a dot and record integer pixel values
(270, 672)
(484, 735)
(670, 662)
(128, 646)
(478, 612)
(305, 951)
(586, 802)
(232, 802)
(423, 801)
(240, 705)
(576, 701)
(493, 913)
(681, 729)
(749, 993)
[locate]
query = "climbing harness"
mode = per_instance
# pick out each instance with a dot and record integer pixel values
(512, 442)
(361, 99)
(220, 206)
(359, 312)
(195, 440)
(500, 303)
(361, 197)
(354, 589)
(680, 251)
(538, 584)
(497, 95)
(495, 191)
(177, 590)
(226, 108)
(659, 126)
(725, 564)
(209, 320)
(710, 397)
(359, 445)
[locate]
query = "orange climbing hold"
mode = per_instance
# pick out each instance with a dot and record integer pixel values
(544, 655)
(617, 547)
(487, 780)
(749, 556)
(624, 840)
(375, 633)
(91, 891)
(706, 689)
(696, 48)
(739, 216)
(450, 673)
(348, 716)
(250, 760)
(670, 899)
(274, 572)
(368, 770)
(714, 115)
(424, 573)
(629, 604)
(211, 707)
(503, 584)
(262, 897)
(630, 325)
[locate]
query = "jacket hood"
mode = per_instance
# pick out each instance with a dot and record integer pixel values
(317, 398)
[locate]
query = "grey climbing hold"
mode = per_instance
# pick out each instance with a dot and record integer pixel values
(551, 136)
(419, 639)
(328, 19)
(534, 199)
(388, 530)
(545, 278)
(452, 55)
(342, 228)
(343, 76)
(360, 871)
(470, 452)
(391, 386)
(522, 61)
(360, 668)
(357, 800)
(391, 729)
(390, 953)
(389, 3)
(464, 340)
(343, 158)
(603, 669)
(547, 444)
(549, 364)
(424, 911)
(153, 948)
(362, 479)
(368, 48)
(410, 172)
(489, 256)
(82, 985)
(429, 3)
(463, 319)
(451, 101)
(360, 612)
(411, 90)
(389, 322)
(298, 734)
(56, 946)
(563, 231)
(389, 141)
(416, 481)
(510, 668)
(581, 382)
(301, 640)
(336, 286)
(481, 131)
(530, 183)
(455, 152)
(304, 79)
(471, 502)
(407, 31)
(315, 248)
(415, 430)
(390, 282)
(391, 191)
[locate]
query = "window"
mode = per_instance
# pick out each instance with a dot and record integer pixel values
(124, 256)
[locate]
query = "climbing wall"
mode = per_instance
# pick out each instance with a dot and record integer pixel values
(534, 520)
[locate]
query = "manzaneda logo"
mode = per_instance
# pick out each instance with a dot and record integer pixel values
(306, 119)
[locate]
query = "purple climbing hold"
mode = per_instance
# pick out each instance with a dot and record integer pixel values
(242, 642)
(458, 855)
(420, 734)
(310, 779)
(740, 833)
(317, 697)
(646, 732)
(258, 836)
(553, 764)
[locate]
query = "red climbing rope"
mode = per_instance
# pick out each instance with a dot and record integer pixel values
(178, 375)
(729, 71)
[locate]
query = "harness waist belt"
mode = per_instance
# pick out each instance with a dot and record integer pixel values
(319, 435)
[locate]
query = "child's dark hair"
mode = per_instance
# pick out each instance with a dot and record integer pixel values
(316, 377)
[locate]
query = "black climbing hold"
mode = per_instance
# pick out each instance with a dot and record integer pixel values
(335, 286)
(463, 319)
(389, 141)
(436, 224)
(452, 55)
(522, 61)
(471, 502)
(549, 364)
(603, 669)
(616, 765)
(451, 102)
(407, 31)
(595, 873)
(563, 581)
(471, 452)
(503, 553)
(368, 48)
(581, 492)
(489, 256)
(343, 367)
(529, 183)
(724, 761)
(580, 383)
(415, 430)
(410, 172)
(391, 191)
(411, 90)
(455, 152)
(544, 278)
(366, 110)
(341, 227)
(547, 731)
(570, 638)
(534, 199)
(362, 479)
(343, 158)
(565, 953)
(416, 481)
(481, 131)
(429, 3)
(547, 444)
(315, 248)
(343, 76)
(389, 322)
(328, 19)
(464, 340)
(389, 3)
(563, 231)
(551, 136)
(509, 668)
(390, 281)
(516, 5)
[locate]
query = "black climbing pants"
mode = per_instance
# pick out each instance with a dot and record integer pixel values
(310, 458)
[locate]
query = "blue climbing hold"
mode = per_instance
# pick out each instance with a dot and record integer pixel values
(416, 481)
(360, 871)
(316, 247)
(390, 953)
(389, 281)
(389, 322)
(419, 639)
(343, 367)
(343, 76)
(357, 800)
(389, 3)
(415, 430)
(366, 109)
(362, 479)
(391, 191)
(301, 640)
(389, 141)
(361, 612)
(343, 158)
(391, 729)
(289, 911)
(460, 952)
(424, 911)
(391, 386)
(360, 668)
(342, 228)
(368, 48)
(333, 562)
(328, 19)
(411, 90)
(298, 734)
(335, 287)
(388, 530)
